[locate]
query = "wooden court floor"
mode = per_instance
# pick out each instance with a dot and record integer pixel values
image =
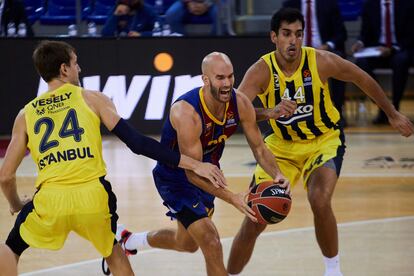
(373, 202)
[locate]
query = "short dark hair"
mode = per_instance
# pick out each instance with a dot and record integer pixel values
(49, 56)
(289, 15)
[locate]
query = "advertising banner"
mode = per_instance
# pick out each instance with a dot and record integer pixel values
(142, 76)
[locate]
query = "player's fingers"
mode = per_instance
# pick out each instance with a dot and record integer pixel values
(217, 181)
(220, 178)
(250, 213)
(221, 184)
(245, 194)
(276, 180)
(404, 130)
(213, 181)
(252, 218)
(288, 110)
(285, 111)
(248, 209)
(282, 183)
(290, 105)
(409, 128)
(288, 187)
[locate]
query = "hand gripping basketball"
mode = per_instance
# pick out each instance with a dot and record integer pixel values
(270, 202)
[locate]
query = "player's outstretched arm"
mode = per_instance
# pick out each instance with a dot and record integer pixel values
(14, 155)
(255, 82)
(141, 144)
(261, 153)
(333, 66)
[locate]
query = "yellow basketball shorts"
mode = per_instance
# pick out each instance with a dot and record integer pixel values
(298, 159)
(88, 209)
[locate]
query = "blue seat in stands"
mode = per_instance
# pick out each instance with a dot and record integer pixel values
(34, 9)
(63, 12)
(100, 10)
(350, 9)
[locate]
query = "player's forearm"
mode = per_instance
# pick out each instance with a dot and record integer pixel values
(206, 186)
(188, 163)
(8, 186)
(141, 144)
(262, 114)
(267, 161)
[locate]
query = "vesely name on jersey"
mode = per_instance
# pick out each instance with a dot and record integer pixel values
(57, 99)
(66, 155)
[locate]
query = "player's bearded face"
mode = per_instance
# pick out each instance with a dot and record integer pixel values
(289, 40)
(221, 93)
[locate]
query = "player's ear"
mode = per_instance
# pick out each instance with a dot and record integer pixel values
(63, 69)
(273, 36)
(205, 80)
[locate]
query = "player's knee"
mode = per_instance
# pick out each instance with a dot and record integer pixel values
(320, 204)
(190, 248)
(211, 243)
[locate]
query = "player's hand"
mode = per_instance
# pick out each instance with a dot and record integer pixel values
(212, 173)
(19, 206)
(286, 108)
(240, 202)
(282, 182)
(401, 123)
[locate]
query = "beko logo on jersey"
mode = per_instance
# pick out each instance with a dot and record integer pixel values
(52, 100)
(126, 99)
(303, 111)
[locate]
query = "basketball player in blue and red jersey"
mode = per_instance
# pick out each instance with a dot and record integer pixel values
(311, 142)
(62, 130)
(200, 122)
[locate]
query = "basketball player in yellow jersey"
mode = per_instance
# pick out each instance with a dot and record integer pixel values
(307, 138)
(62, 130)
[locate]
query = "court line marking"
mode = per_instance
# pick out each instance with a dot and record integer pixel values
(349, 174)
(362, 174)
(273, 233)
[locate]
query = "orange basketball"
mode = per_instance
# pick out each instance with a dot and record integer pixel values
(270, 202)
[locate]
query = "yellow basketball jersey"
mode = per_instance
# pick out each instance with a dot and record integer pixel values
(315, 113)
(64, 137)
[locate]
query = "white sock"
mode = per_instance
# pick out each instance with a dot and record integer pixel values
(137, 241)
(332, 266)
(234, 274)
